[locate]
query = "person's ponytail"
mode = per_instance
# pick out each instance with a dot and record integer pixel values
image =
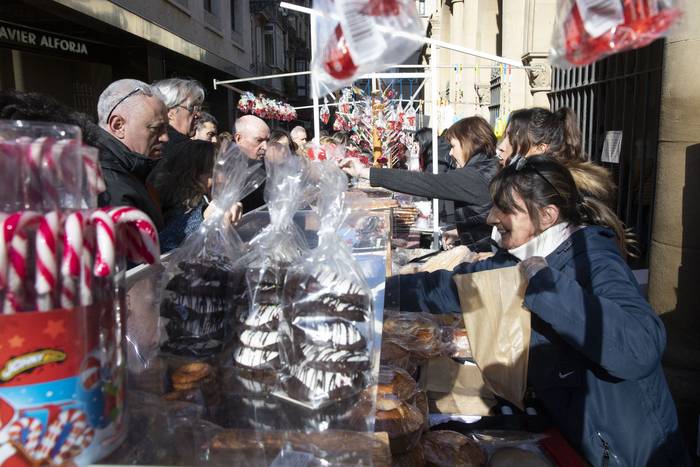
(573, 147)
(594, 212)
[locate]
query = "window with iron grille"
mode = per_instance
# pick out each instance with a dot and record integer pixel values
(617, 100)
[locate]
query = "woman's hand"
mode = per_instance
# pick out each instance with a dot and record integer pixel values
(354, 168)
(231, 216)
(449, 239)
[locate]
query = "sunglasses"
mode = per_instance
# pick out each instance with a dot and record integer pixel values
(191, 109)
(109, 115)
(522, 162)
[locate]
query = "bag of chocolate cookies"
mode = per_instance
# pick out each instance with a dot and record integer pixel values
(326, 333)
(254, 355)
(203, 281)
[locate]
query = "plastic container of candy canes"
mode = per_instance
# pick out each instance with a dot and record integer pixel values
(62, 307)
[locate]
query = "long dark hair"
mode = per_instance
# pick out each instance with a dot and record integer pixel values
(475, 135)
(543, 180)
(181, 181)
(559, 130)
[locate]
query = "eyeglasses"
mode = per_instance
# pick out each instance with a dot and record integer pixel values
(109, 115)
(191, 109)
(523, 162)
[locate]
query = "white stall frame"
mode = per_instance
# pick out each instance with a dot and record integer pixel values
(432, 76)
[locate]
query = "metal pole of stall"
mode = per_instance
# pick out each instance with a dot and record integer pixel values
(434, 81)
(315, 90)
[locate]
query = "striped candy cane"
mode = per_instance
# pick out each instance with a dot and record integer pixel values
(17, 224)
(4, 243)
(72, 258)
(140, 233)
(93, 170)
(34, 151)
(77, 421)
(26, 432)
(105, 243)
(86, 265)
(46, 280)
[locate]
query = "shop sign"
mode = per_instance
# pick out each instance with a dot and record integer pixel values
(42, 40)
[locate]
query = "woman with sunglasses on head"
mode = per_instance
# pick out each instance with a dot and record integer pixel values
(537, 130)
(596, 344)
(473, 148)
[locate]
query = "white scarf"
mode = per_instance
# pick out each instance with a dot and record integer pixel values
(545, 243)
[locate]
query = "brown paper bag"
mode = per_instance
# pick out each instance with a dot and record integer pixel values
(448, 259)
(455, 388)
(498, 328)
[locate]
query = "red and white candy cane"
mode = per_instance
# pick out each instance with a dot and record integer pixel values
(4, 243)
(105, 237)
(93, 170)
(46, 281)
(16, 224)
(86, 265)
(26, 432)
(72, 257)
(139, 232)
(77, 421)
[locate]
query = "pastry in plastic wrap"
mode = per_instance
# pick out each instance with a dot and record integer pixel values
(457, 343)
(199, 307)
(443, 448)
(250, 448)
(416, 332)
(505, 457)
(395, 355)
(311, 384)
(403, 422)
(397, 383)
(412, 458)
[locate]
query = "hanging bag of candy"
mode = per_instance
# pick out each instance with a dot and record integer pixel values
(326, 335)
(588, 30)
(203, 284)
(355, 38)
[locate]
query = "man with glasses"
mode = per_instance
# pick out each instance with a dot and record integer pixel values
(133, 122)
(183, 99)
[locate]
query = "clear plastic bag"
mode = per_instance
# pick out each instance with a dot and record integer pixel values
(62, 270)
(418, 333)
(326, 335)
(588, 30)
(355, 38)
(203, 282)
(272, 251)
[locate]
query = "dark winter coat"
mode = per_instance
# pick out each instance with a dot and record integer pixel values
(125, 174)
(595, 349)
(468, 187)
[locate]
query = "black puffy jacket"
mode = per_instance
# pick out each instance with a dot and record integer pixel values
(125, 174)
(468, 187)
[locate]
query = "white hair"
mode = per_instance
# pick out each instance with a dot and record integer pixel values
(297, 130)
(114, 93)
(177, 91)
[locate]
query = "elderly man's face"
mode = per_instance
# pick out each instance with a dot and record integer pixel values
(206, 132)
(299, 138)
(253, 140)
(145, 126)
(183, 117)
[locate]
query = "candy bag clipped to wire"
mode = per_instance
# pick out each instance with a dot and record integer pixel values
(203, 285)
(588, 30)
(355, 38)
(326, 335)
